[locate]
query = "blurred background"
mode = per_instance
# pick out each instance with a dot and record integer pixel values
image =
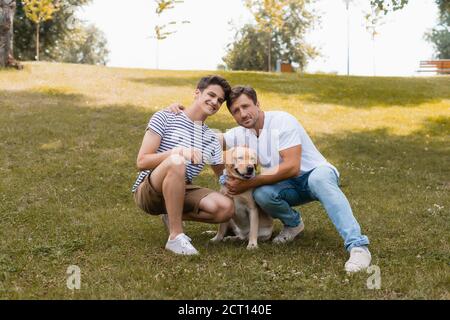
(357, 37)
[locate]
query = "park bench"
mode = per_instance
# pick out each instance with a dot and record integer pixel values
(438, 66)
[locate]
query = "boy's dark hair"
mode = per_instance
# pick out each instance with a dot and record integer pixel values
(207, 81)
(237, 91)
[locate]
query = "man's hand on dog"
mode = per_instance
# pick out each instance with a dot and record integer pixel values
(237, 186)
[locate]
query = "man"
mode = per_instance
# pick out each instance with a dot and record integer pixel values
(294, 172)
(174, 150)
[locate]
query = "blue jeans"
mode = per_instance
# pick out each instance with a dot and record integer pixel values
(320, 184)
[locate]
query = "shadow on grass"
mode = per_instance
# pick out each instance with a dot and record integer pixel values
(436, 127)
(354, 92)
(49, 96)
(424, 151)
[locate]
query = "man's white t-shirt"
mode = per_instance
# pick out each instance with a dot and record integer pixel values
(280, 131)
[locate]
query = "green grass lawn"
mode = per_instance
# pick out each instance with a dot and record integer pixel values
(69, 136)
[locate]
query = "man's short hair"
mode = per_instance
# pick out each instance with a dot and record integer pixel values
(207, 81)
(238, 91)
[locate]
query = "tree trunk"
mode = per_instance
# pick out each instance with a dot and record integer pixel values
(37, 41)
(7, 11)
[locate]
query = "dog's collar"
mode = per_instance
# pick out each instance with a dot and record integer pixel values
(223, 178)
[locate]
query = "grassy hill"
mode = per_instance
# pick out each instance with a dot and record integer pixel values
(69, 136)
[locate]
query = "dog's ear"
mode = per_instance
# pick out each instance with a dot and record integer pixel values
(257, 167)
(228, 156)
(255, 155)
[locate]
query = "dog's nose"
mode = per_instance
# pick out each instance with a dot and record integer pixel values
(250, 169)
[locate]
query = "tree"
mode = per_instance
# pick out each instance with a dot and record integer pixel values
(249, 52)
(84, 45)
(291, 38)
(389, 5)
(440, 35)
(53, 34)
(39, 11)
(278, 34)
(269, 20)
(161, 31)
(7, 12)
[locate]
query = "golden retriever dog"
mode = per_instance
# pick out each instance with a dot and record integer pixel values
(249, 221)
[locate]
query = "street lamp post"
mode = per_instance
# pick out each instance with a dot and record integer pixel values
(347, 4)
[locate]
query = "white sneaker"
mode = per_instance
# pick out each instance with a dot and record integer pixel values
(181, 245)
(289, 233)
(359, 259)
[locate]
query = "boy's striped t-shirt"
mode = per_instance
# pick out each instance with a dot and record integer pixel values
(177, 130)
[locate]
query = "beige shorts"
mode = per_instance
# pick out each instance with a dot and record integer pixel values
(152, 201)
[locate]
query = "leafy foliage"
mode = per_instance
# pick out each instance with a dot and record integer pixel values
(39, 11)
(440, 35)
(389, 5)
(161, 31)
(278, 34)
(54, 34)
(268, 13)
(373, 21)
(85, 45)
(249, 52)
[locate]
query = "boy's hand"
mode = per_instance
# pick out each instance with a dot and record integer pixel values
(192, 155)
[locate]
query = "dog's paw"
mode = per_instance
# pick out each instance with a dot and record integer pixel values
(234, 238)
(252, 246)
(216, 239)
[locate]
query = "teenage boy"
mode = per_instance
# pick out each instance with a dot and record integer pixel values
(174, 150)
